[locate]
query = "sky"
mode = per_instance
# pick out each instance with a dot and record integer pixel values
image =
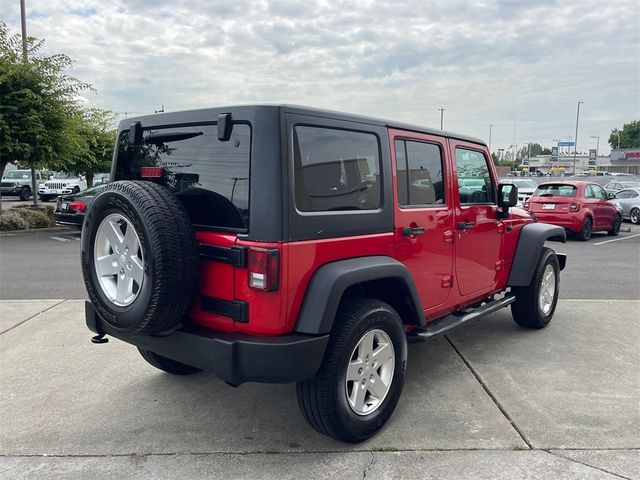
(519, 65)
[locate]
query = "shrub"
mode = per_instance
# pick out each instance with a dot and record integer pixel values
(10, 220)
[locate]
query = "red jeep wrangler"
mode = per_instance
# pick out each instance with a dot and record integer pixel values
(280, 244)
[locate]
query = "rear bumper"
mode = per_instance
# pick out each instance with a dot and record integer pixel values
(10, 191)
(235, 358)
(74, 220)
(569, 221)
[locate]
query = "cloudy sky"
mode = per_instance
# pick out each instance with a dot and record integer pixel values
(486, 62)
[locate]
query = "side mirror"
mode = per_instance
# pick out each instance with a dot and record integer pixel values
(507, 195)
(611, 195)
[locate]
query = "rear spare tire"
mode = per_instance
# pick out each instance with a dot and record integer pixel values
(139, 257)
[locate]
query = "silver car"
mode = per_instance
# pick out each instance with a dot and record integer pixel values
(629, 200)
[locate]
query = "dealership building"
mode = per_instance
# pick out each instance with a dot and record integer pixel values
(623, 160)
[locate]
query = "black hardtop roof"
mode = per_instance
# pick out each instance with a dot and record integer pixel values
(210, 114)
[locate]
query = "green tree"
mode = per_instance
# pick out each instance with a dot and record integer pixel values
(629, 135)
(536, 149)
(91, 138)
(38, 103)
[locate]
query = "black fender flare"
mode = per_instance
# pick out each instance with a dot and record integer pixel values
(528, 251)
(330, 281)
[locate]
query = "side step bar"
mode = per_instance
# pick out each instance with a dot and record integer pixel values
(448, 323)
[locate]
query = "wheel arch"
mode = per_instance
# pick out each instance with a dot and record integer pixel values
(529, 248)
(378, 277)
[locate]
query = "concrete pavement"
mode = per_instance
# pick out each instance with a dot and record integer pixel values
(492, 400)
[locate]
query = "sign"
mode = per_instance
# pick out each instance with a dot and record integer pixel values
(593, 156)
(554, 154)
(566, 144)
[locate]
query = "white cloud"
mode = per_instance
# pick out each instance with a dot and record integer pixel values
(491, 61)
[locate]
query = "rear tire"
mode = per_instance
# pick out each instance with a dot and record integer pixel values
(615, 230)
(536, 303)
(368, 344)
(634, 216)
(587, 230)
(166, 364)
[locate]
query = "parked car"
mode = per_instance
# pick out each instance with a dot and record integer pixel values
(613, 187)
(279, 244)
(61, 183)
(526, 187)
(580, 207)
(18, 183)
(629, 200)
(70, 209)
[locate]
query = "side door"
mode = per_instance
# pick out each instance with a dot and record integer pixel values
(423, 210)
(606, 211)
(478, 240)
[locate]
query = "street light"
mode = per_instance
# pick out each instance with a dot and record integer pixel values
(575, 143)
(618, 134)
(441, 117)
(491, 125)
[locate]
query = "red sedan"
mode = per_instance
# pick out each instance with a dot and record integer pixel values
(580, 207)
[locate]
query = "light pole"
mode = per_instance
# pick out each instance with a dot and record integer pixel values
(490, 129)
(441, 117)
(575, 141)
(618, 134)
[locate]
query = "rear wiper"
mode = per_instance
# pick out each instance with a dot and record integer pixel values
(159, 138)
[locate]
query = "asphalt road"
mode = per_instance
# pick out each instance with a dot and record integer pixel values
(46, 264)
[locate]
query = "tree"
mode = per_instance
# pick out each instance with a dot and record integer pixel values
(536, 149)
(37, 103)
(90, 138)
(629, 135)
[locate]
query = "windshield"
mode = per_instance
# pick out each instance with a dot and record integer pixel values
(18, 174)
(524, 183)
(556, 190)
(60, 175)
(209, 176)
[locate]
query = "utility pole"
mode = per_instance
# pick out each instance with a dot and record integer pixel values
(441, 117)
(575, 141)
(618, 134)
(25, 59)
(515, 147)
(490, 129)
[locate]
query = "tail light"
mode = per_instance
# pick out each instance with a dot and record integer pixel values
(78, 206)
(151, 172)
(574, 207)
(264, 269)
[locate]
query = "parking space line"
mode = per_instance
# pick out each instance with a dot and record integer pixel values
(617, 239)
(60, 239)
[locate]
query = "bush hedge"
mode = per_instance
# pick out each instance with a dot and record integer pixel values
(25, 217)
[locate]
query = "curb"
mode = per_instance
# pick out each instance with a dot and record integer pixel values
(10, 233)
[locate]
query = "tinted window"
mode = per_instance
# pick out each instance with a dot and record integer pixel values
(419, 173)
(474, 177)
(209, 176)
(556, 190)
(336, 169)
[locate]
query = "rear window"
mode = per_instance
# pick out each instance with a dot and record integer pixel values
(556, 190)
(336, 169)
(209, 176)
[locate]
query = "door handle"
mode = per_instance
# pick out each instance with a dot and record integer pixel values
(409, 231)
(466, 225)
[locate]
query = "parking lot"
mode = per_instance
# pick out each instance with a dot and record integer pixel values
(490, 400)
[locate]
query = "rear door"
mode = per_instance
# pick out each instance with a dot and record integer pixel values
(424, 232)
(478, 240)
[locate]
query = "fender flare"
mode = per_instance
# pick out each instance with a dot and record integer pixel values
(330, 281)
(528, 251)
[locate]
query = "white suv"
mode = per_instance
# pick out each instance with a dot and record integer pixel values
(61, 184)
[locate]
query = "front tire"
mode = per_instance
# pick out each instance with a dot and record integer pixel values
(166, 364)
(587, 229)
(536, 303)
(634, 216)
(361, 378)
(615, 229)
(25, 194)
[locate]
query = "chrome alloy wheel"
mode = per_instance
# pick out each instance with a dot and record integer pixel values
(547, 289)
(118, 260)
(370, 372)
